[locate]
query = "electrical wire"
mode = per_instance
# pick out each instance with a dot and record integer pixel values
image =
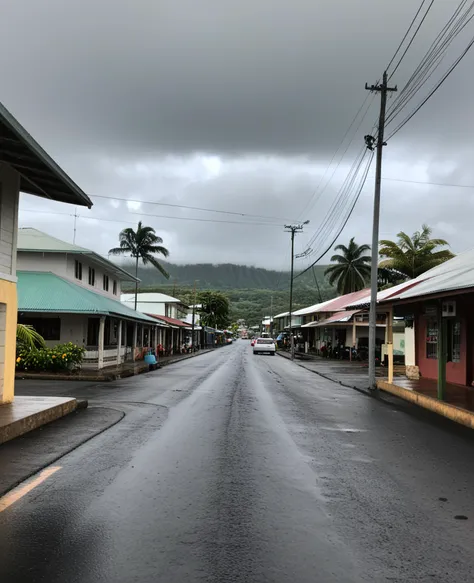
(432, 59)
(413, 37)
(246, 223)
(307, 208)
(437, 86)
(346, 219)
(406, 34)
(182, 206)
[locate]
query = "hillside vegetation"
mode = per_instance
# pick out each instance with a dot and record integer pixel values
(249, 289)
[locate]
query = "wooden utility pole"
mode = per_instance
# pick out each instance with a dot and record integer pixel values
(293, 229)
(193, 320)
(383, 89)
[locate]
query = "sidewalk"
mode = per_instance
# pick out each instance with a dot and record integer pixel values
(354, 375)
(458, 405)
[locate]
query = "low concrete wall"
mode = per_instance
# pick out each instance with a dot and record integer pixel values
(461, 416)
(28, 413)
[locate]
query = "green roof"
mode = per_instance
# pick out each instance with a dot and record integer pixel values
(49, 293)
(35, 241)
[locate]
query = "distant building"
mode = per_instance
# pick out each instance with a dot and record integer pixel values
(71, 294)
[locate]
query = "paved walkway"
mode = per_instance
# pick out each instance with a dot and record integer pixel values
(349, 374)
(355, 375)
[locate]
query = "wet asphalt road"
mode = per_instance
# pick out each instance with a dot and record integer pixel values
(235, 468)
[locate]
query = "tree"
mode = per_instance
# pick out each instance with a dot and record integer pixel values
(27, 337)
(141, 244)
(412, 256)
(351, 269)
(214, 309)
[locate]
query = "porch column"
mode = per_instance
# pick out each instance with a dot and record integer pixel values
(389, 336)
(354, 337)
(442, 333)
(134, 342)
(142, 340)
(100, 360)
(119, 341)
(124, 332)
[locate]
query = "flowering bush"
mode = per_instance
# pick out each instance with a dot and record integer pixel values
(60, 357)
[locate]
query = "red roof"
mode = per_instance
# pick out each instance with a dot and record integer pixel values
(342, 301)
(171, 321)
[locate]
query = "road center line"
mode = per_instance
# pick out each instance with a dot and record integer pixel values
(23, 489)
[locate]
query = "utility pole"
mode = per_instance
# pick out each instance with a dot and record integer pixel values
(194, 313)
(75, 225)
(383, 89)
(292, 229)
(271, 317)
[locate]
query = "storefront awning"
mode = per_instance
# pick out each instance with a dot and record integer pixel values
(338, 318)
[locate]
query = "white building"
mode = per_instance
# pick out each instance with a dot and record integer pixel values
(166, 309)
(71, 294)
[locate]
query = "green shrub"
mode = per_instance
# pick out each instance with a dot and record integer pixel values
(59, 358)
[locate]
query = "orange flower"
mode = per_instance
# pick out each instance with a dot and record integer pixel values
(18, 359)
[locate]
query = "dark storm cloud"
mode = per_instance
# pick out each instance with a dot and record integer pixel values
(234, 106)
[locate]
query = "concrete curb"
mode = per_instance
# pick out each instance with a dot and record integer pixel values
(35, 420)
(104, 378)
(456, 414)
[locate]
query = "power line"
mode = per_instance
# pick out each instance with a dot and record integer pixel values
(432, 59)
(323, 190)
(430, 183)
(433, 91)
(414, 35)
(246, 223)
(366, 172)
(182, 206)
(406, 34)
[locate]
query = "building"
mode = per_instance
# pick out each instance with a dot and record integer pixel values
(71, 294)
(167, 309)
(24, 167)
(438, 311)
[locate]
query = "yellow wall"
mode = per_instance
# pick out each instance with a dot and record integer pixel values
(8, 296)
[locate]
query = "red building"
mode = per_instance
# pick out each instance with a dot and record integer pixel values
(438, 308)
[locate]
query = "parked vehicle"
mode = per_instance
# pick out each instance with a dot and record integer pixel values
(263, 345)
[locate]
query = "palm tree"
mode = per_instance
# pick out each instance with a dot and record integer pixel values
(27, 337)
(141, 244)
(351, 269)
(412, 256)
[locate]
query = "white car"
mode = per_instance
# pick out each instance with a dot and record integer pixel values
(263, 345)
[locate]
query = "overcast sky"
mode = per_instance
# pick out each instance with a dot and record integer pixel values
(233, 106)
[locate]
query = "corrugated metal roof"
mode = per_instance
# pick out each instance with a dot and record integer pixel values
(39, 173)
(341, 302)
(49, 293)
(382, 295)
(455, 274)
(152, 298)
(171, 321)
(312, 309)
(32, 240)
(343, 316)
(282, 315)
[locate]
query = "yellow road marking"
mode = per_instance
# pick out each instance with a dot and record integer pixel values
(23, 489)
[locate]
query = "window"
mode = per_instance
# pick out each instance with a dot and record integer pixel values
(93, 331)
(432, 338)
(106, 282)
(91, 276)
(49, 328)
(114, 287)
(78, 269)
